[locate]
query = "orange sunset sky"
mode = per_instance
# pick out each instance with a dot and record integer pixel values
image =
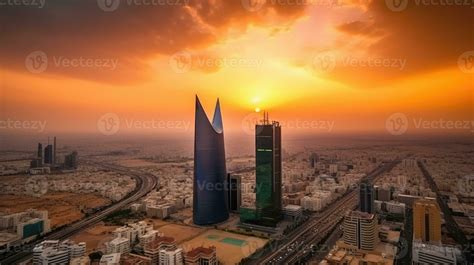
(351, 63)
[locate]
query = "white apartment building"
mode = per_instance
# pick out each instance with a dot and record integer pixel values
(50, 256)
(55, 252)
(118, 245)
(171, 256)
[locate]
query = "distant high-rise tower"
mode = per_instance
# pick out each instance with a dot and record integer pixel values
(210, 196)
(40, 154)
(268, 172)
(426, 221)
(360, 230)
(313, 159)
(54, 151)
(48, 154)
(234, 192)
(366, 197)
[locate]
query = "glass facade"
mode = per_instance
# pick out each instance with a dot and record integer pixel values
(209, 191)
(33, 229)
(268, 173)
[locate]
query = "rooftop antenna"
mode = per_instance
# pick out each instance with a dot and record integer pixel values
(265, 118)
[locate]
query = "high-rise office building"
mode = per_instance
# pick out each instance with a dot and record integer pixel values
(48, 154)
(268, 172)
(234, 192)
(426, 221)
(54, 151)
(313, 158)
(366, 197)
(361, 230)
(38, 161)
(209, 193)
(40, 153)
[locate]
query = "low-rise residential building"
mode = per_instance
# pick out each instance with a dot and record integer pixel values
(201, 255)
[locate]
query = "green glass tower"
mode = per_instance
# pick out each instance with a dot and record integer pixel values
(268, 172)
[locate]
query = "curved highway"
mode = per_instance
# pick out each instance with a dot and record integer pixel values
(145, 183)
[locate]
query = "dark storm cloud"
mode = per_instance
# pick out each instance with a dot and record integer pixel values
(127, 33)
(428, 36)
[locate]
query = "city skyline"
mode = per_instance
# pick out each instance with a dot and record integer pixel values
(236, 132)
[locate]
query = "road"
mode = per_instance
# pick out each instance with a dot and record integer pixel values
(145, 183)
(297, 245)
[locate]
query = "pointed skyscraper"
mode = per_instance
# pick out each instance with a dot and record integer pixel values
(210, 196)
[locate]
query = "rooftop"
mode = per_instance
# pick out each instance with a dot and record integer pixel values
(201, 250)
(363, 215)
